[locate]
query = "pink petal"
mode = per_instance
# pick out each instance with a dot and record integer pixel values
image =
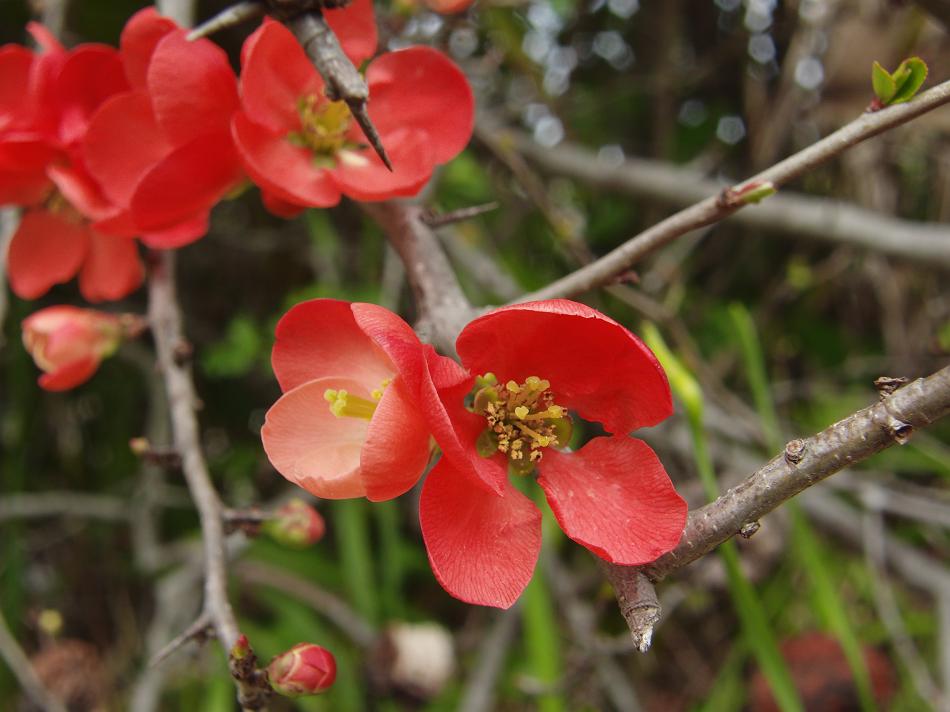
(192, 87)
(482, 546)
(70, 375)
(593, 363)
(122, 144)
(82, 192)
(313, 448)
(282, 169)
(112, 268)
(411, 154)
(188, 181)
(45, 250)
(355, 27)
(614, 497)
(320, 338)
(275, 76)
(397, 446)
(421, 88)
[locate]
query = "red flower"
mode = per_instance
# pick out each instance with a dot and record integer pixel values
(68, 343)
(612, 495)
(304, 150)
(162, 151)
(347, 424)
(305, 669)
(46, 101)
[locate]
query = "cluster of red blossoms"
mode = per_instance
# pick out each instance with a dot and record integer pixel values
(364, 399)
(103, 146)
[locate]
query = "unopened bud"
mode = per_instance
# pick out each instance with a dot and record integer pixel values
(305, 669)
(241, 649)
(296, 524)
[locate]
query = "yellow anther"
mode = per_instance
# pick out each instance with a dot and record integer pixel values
(522, 412)
(343, 404)
(512, 387)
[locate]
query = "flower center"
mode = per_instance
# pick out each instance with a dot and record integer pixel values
(323, 128)
(345, 404)
(522, 420)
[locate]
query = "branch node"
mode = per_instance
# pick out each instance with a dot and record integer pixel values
(638, 603)
(254, 688)
(898, 429)
(182, 352)
(164, 457)
(748, 530)
(886, 385)
(795, 451)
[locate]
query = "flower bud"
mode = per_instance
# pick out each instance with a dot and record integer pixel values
(305, 669)
(68, 343)
(296, 524)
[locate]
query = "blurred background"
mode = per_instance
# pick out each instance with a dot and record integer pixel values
(785, 321)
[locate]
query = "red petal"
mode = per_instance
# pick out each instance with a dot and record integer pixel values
(23, 162)
(90, 75)
(122, 143)
(112, 268)
(275, 76)
(614, 497)
(15, 64)
(397, 445)
(192, 87)
(421, 88)
(70, 375)
(184, 233)
(320, 338)
(45, 250)
(82, 192)
(313, 448)
(139, 37)
(594, 365)
(411, 154)
(281, 168)
(280, 208)
(482, 546)
(355, 27)
(190, 180)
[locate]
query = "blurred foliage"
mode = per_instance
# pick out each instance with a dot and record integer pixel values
(677, 81)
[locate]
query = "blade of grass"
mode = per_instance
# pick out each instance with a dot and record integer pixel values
(756, 630)
(806, 545)
(392, 566)
(356, 555)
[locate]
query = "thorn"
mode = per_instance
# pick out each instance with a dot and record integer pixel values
(435, 220)
(358, 109)
(228, 17)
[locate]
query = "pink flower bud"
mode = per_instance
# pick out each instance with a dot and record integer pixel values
(305, 669)
(296, 524)
(68, 343)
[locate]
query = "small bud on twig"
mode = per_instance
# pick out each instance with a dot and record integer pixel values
(305, 669)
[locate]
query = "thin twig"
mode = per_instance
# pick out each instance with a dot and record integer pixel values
(717, 207)
(479, 692)
(334, 608)
(437, 220)
(20, 666)
(229, 17)
(165, 321)
(197, 631)
(63, 504)
(806, 462)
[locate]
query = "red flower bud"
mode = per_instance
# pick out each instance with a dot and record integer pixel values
(68, 343)
(305, 669)
(296, 524)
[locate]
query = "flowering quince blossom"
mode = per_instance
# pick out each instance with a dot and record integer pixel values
(162, 150)
(303, 149)
(535, 362)
(347, 424)
(68, 343)
(46, 101)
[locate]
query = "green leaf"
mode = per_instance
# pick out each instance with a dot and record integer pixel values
(884, 84)
(910, 76)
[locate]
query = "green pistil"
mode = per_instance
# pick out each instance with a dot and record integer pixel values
(522, 420)
(323, 128)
